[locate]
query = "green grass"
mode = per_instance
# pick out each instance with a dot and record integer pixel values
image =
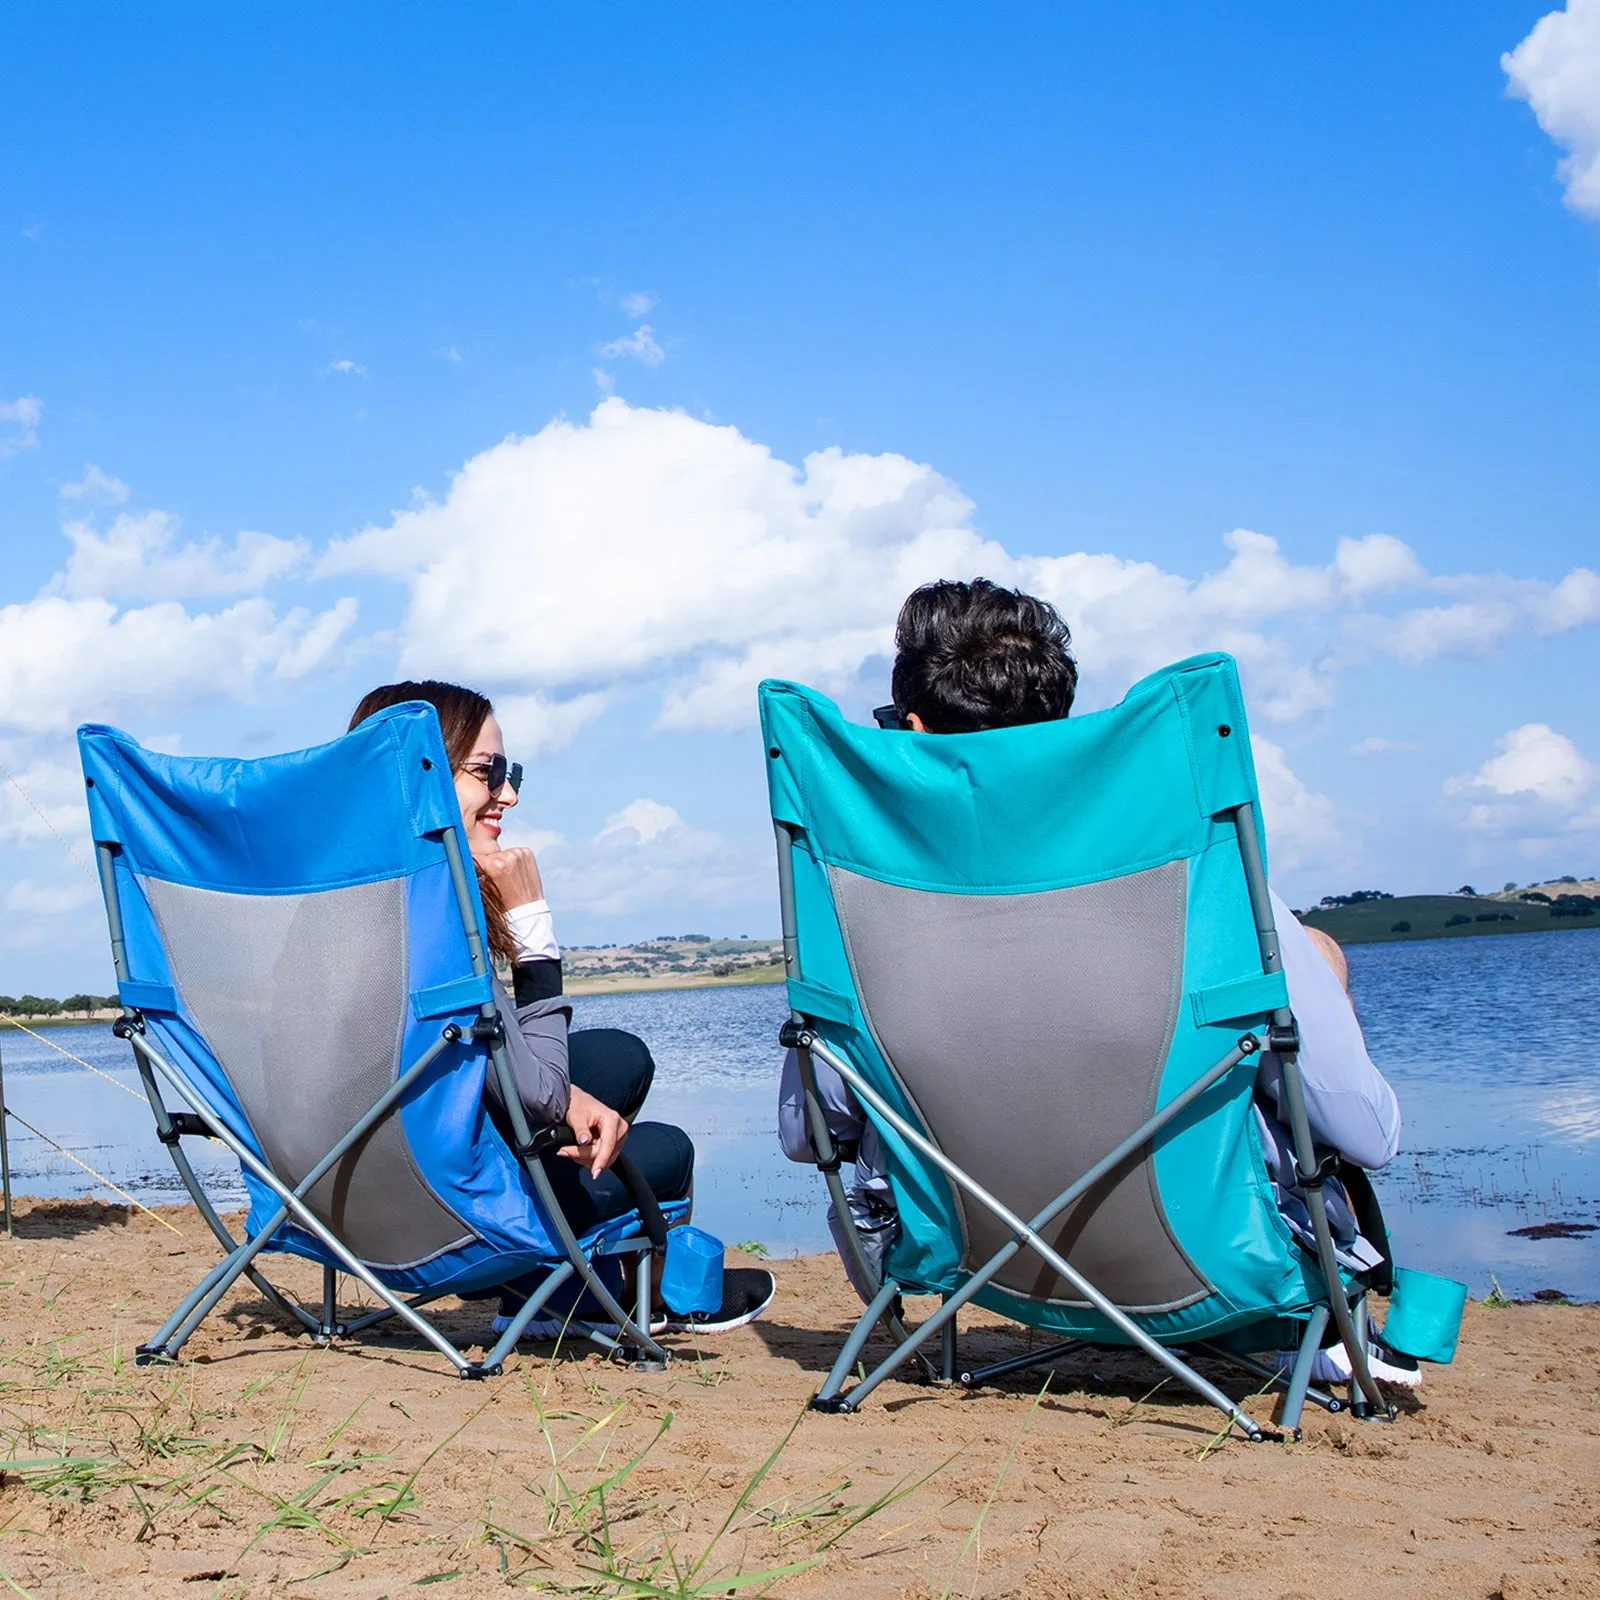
(1372, 922)
(164, 1447)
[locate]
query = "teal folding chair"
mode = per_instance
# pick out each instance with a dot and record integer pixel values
(1044, 960)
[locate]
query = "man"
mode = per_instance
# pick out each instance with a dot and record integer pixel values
(972, 656)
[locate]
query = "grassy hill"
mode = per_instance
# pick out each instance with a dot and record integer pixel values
(1430, 917)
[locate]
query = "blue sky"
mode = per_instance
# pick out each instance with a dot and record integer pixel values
(863, 295)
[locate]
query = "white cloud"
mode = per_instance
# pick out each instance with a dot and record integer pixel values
(1556, 69)
(652, 546)
(63, 660)
(27, 898)
(22, 418)
(1303, 827)
(651, 543)
(646, 856)
(452, 355)
(535, 725)
(640, 303)
(41, 799)
(645, 819)
(96, 488)
(640, 345)
(1537, 778)
(137, 558)
(347, 368)
(1376, 745)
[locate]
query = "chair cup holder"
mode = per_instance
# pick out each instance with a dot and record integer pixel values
(691, 1277)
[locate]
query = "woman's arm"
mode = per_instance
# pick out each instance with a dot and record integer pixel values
(536, 1049)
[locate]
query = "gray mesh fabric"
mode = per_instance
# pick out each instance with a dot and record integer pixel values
(1030, 1031)
(301, 998)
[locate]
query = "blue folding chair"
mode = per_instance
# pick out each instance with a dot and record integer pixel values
(1044, 960)
(300, 953)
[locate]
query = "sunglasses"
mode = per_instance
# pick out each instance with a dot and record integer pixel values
(496, 773)
(889, 717)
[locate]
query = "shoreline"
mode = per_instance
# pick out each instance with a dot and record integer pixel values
(753, 977)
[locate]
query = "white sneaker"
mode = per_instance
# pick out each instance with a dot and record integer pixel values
(1333, 1365)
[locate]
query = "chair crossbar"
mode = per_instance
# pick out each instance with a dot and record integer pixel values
(1026, 1235)
(234, 1265)
(1041, 1357)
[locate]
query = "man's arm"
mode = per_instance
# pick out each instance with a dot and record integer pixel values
(1348, 1102)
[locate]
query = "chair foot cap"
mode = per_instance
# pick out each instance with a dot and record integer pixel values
(834, 1406)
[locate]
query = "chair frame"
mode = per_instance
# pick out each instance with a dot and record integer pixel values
(1346, 1305)
(322, 1323)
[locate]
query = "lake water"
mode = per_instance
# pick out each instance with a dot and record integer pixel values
(1485, 1040)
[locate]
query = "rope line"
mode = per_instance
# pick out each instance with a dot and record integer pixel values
(62, 1049)
(4, 769)
(99, 1177)
(6, 1110)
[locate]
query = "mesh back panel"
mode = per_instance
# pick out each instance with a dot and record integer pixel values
(301, 998)
(1030, 1031)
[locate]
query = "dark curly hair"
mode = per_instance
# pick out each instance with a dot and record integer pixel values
(970, 656)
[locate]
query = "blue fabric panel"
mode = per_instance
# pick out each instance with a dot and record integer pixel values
(1005, 811)
(148, 996)
(814, 1000)
(460, 994)
(1252, 997)
(1042, 807)
(281, 823)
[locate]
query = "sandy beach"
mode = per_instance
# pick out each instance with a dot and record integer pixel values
(265, 1466)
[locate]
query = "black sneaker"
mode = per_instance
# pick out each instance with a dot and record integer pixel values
(746, 1293)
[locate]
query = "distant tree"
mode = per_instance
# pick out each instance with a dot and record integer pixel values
(1457, 920)
(1358, 897)
(8, 1005)
(1399, 927)
(1466, 888)
(1508, 888)
(1534, 896)
(37, 1005)
(85, 1003)
(723, 969)
(1566, 878)
(1487, 916)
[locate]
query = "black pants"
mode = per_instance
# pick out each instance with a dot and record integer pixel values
(617, 1069)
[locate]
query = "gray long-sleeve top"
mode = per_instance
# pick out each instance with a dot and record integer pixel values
(536, 1023)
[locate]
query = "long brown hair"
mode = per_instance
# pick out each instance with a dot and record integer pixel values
(462, 713)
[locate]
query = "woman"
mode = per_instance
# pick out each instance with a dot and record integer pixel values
(595, 1080)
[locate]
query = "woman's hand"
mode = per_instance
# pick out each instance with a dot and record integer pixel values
(600, 1130)
(515, 873)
